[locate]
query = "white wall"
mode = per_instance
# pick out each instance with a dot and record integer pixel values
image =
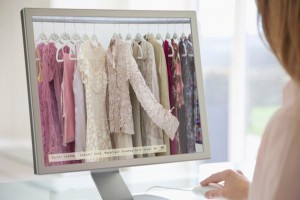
(14, 112)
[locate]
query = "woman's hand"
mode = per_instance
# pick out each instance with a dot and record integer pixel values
(236, 185)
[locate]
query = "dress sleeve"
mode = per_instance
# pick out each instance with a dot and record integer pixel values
(161, 117)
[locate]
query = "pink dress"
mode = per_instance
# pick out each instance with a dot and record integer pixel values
(68, 107)
(276, 175)
(50, 97)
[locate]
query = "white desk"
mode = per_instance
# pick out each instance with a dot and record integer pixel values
(79, 185)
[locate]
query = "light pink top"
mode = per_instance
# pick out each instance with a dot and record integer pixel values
(277, 172)
(68, 106)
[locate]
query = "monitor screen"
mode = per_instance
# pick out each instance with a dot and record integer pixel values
(110, 89)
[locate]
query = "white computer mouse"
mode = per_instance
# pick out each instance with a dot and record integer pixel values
(203, 189)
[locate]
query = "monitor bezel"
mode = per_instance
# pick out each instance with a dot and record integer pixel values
(33, 98)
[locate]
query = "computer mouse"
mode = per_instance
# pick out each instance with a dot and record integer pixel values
(203, 189)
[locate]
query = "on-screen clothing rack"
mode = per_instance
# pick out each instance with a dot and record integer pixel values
(110, 20)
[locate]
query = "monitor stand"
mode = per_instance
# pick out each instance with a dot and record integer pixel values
(111, 185)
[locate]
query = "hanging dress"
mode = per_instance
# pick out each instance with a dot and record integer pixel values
(151, 134)
(39, 56)
(162, 75)
(91, 62)
(52, 73)
(68, 105)
(80, 112)
(196, 107)
(177, 91)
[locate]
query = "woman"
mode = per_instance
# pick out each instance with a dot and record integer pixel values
(276, 173)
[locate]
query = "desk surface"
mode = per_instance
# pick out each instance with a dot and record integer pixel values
(140, 180)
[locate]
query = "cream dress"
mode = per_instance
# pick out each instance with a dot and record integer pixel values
(91, 62)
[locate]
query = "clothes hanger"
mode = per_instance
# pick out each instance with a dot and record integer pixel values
(42, 38)
(168, 38)
(175, 36)
(119, 34)
(115, 35)
(128, 38)
(138, 37)
(85, 37)
(182, 37)
(189, 40)
(94, 39)
(54, 37)
(75, 39)
(158, 35)
(148, 35)
(64, 40)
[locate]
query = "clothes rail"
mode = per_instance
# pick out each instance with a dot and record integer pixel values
(110, 20)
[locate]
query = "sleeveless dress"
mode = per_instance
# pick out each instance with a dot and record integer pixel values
(91, 62)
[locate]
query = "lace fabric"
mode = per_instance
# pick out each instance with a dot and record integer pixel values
(91, 62)
(122, 70)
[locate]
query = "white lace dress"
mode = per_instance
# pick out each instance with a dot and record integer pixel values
(122, 70)
(91, 62)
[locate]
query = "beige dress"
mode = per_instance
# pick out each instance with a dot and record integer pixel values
(276, 175)
(122, 70)
(151, 134)
(162, 75)
(91, 62)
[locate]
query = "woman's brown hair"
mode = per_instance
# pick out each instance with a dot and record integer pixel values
(281, 24)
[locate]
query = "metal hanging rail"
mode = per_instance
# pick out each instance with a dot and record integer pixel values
(110, 20)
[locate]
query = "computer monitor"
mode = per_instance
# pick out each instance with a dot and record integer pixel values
(113, 88)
